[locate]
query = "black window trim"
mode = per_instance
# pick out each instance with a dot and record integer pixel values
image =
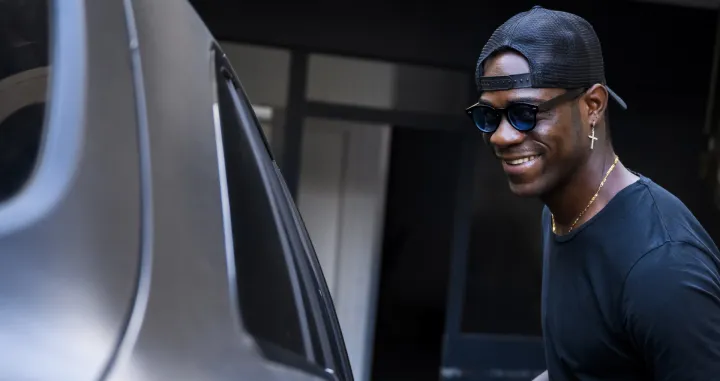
(287, 251)
(224, 81)
(310, 266)
(225, 76)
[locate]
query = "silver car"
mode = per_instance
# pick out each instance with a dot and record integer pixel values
(145, 231)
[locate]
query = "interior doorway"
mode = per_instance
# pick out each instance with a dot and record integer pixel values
(416, 254)
(341, 198)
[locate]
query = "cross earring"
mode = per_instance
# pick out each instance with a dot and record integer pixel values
(592, 136)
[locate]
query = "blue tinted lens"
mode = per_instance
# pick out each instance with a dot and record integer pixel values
(486, 119)
(522, 117)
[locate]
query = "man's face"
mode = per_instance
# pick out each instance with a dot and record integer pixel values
(553, 147)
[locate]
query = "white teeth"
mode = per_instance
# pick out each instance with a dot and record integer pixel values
(521, 160)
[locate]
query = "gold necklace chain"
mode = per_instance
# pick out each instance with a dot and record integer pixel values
(591, 200)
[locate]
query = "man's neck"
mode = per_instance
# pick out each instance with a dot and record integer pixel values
(569, 200)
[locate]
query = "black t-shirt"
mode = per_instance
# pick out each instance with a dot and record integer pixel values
(633, 294)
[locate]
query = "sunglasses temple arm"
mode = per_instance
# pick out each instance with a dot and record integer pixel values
(560, 99)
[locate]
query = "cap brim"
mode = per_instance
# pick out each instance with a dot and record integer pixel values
(617, 98)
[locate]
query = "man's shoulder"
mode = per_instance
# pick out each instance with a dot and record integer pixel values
(656, 224)
(645, 225)
(665, 202)
(671, 272)
(650, 215)
(673, 258)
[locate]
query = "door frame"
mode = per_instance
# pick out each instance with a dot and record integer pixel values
(473, 356)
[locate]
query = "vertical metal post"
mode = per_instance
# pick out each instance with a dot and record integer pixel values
(287, 140)
(711, 114)
(711, 156)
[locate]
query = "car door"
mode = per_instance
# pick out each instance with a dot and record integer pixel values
(145, 231)
(71, 190)
(235, 290)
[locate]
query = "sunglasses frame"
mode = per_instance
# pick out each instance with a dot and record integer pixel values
(542, 107)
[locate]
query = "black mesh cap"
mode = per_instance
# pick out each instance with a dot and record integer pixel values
(562, 49)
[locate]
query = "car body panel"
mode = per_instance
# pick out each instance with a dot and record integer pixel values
(121, 264)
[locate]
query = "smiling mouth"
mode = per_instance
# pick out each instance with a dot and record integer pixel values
(521, 160)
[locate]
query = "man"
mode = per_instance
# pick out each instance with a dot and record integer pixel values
(631, 286)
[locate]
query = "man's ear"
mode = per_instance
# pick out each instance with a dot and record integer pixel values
(596, 101)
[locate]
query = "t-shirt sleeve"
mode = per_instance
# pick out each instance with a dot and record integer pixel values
(671, 305)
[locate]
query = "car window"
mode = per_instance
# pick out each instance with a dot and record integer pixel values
(279, 231)
(24, 61)
(269, 308)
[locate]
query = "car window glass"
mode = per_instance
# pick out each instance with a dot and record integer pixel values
(24, 64)
(313, 290)
(266, 294)
(314, 329)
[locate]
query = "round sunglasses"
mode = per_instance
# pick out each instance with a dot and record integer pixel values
(522, 116)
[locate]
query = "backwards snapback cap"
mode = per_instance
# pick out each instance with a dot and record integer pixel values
(562, 49)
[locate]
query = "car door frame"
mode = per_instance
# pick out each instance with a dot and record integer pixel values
(326, 339)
